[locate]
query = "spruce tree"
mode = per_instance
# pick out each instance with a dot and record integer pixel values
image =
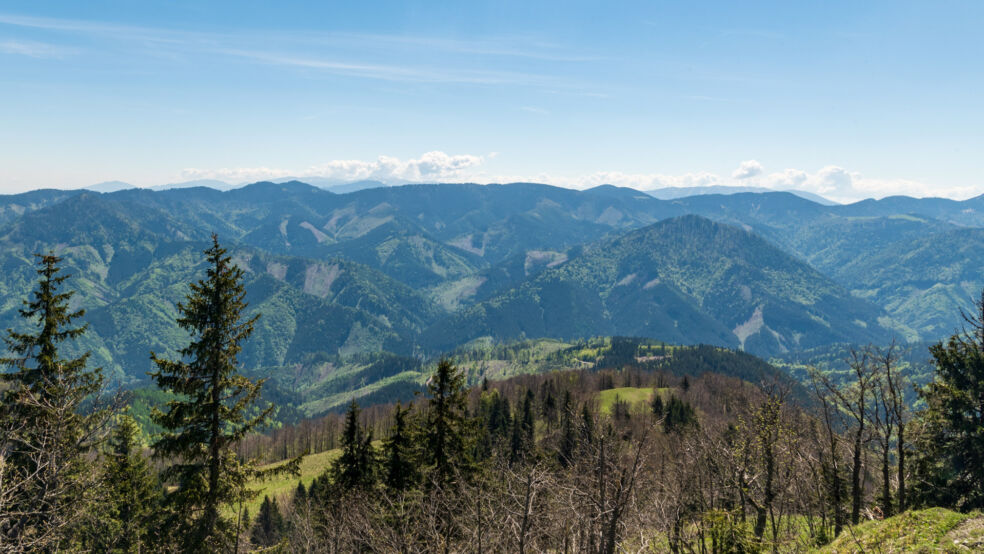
(400, 469)
(212, 409)
(523, 428)
(133, 494)
(300, 496)
(587, 424)
(356, 467)
(657, 405)
(447, 432)
(951, 458)
(46, 436)
(269, 525)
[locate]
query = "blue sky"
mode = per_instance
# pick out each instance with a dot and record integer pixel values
(849, 99)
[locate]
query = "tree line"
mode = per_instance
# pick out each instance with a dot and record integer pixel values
(708, 463)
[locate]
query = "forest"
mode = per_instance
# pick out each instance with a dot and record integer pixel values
(710, 453)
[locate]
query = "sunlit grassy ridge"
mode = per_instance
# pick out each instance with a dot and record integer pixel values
(637, 398)
(312, 466)
(931, 530)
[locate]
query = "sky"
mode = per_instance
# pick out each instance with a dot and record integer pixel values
(846, 99)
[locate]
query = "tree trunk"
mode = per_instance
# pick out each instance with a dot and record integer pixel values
(886, 484)
(856, 477)
(901, 467)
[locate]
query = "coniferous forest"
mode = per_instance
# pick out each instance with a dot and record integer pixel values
(649, 450)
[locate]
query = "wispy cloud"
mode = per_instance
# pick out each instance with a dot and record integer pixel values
(392, 72)
(463, 62)
(33, 49)
(103, 29)
(508, 47)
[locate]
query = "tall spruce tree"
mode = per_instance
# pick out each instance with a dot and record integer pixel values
(400, 468)
(447, 432)
(522, 442)
(212, 409)
(46, 436)
(356, 467)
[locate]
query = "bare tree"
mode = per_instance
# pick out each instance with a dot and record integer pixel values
(854, 399)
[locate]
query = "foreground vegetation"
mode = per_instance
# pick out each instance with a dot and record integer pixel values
(645, 449)
(923, 531)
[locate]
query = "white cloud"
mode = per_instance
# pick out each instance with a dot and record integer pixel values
(431, 166)
(833, 182)
(747, 169)
(843, 185)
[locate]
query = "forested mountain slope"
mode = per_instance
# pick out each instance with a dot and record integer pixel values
(685, 280)
(425, 267)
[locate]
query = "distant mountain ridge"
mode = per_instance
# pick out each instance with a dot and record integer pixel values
(672, 193)
(419, 267)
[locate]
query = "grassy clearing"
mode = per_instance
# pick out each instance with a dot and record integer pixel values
(312, 466)
(637, 398)
(931, 530)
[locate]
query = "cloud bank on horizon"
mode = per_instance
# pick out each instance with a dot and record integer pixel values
(832, 182)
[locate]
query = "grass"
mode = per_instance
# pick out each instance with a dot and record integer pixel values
(930, 530)
(635, 396)
(312, 466)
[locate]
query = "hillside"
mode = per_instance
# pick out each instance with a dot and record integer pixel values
(327, 384)
(685, 280)
(924, 280)
(433, 266)
(921, 531)
(131, 265)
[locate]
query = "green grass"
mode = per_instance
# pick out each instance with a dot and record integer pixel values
(930, 530)
(312, 466)
(636, 397)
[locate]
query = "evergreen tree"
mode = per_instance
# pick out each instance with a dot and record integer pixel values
(679, 415)
(523, 429)
(133, 494)
(212, 409)
(657, 405)
(400, 468)
(568, 429)
(951, 463)
(269, 525)
(300, 496)
(447, 432)
(46, 437)
(587, 424)
(356, 467)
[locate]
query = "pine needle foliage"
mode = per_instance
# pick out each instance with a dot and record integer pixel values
(356, 467)
(133, 494)
(213, 409)
(399, 465)
(447, 433)
(46, 432)
(950, 463)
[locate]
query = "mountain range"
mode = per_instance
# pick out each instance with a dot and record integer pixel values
(418, 269)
